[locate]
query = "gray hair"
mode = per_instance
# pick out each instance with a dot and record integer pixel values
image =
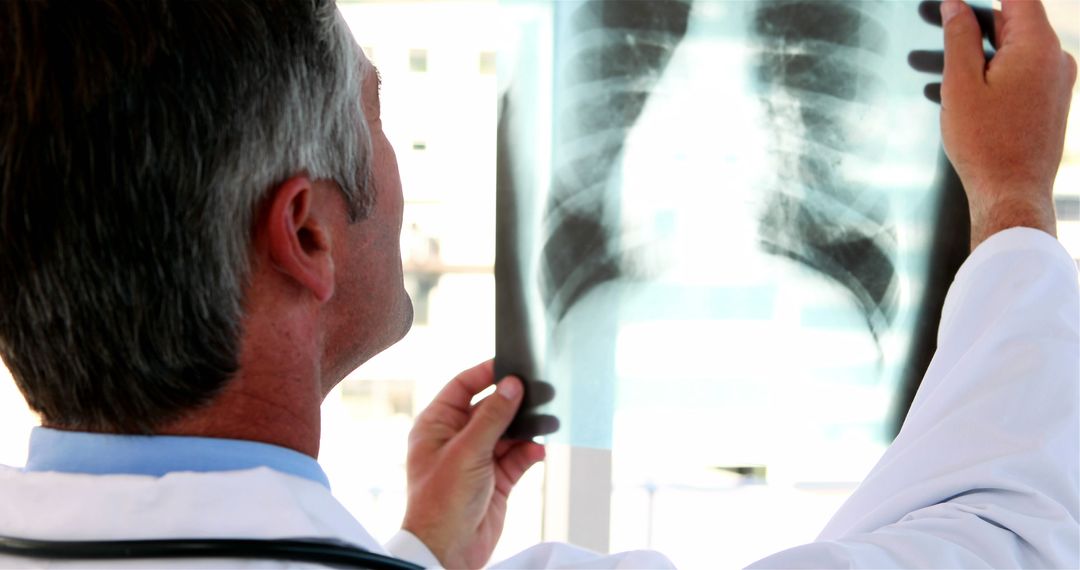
(139, 141)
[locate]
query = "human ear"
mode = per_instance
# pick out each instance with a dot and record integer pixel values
(298, 238)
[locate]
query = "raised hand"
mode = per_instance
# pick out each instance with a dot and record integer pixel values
(460, 472)
(1003, 120)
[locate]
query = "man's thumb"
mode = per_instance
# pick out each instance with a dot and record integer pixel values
(493, 415)
(965, 61)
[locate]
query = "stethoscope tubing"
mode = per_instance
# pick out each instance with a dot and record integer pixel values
(316, 551)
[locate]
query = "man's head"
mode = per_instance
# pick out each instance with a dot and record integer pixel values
(142, 144)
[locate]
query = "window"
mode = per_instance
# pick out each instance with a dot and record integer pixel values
(447, 250)
(1068, 208)
(487, 63)
(418, 60)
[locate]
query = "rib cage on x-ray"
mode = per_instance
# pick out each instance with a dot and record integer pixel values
(812, 80)
(814, 69)
(621, 51)
(816, 86)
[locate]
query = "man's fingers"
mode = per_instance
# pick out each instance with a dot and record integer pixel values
(965, 64)
(932, 91)
(530, 424)
(460, 391)
(927, 61)
(1026, 21)
(989, 20)
(515, 462)
(933, 61)
(1028, 12)
(491, 416)
(999, 25)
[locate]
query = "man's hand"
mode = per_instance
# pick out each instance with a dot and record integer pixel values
(1003, 122)
(459, 471)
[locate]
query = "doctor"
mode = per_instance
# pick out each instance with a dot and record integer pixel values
(199, 219)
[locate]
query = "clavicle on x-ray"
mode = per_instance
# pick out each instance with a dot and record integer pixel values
(724, 219)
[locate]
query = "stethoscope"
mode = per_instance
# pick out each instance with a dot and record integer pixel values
(316, 551)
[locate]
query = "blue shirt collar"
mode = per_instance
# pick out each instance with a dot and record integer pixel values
(157, 455)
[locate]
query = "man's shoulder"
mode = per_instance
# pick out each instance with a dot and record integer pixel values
(253, 503)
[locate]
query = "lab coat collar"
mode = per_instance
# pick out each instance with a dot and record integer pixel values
(158, 455)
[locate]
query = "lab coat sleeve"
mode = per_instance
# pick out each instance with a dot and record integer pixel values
(406, 546)
(984, 472)
(561, 555)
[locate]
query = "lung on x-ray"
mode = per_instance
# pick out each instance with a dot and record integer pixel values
(728, 218)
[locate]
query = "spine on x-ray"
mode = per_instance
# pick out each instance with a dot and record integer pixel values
(818, 86)
(616, 53)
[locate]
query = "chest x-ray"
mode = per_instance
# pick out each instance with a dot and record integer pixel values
(724, 218)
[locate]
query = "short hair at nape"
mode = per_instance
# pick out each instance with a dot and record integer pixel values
(139, 138)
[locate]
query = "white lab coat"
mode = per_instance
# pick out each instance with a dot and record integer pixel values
(985, 472)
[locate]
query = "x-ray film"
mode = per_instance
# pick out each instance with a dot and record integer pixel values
(725, 218)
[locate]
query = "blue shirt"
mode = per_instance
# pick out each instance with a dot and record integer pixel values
(157, 455)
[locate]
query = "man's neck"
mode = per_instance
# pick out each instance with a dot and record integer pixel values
(280, 418)
(276, 394)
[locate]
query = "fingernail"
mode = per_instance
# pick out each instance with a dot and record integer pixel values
(509, 388)
(949, 9)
